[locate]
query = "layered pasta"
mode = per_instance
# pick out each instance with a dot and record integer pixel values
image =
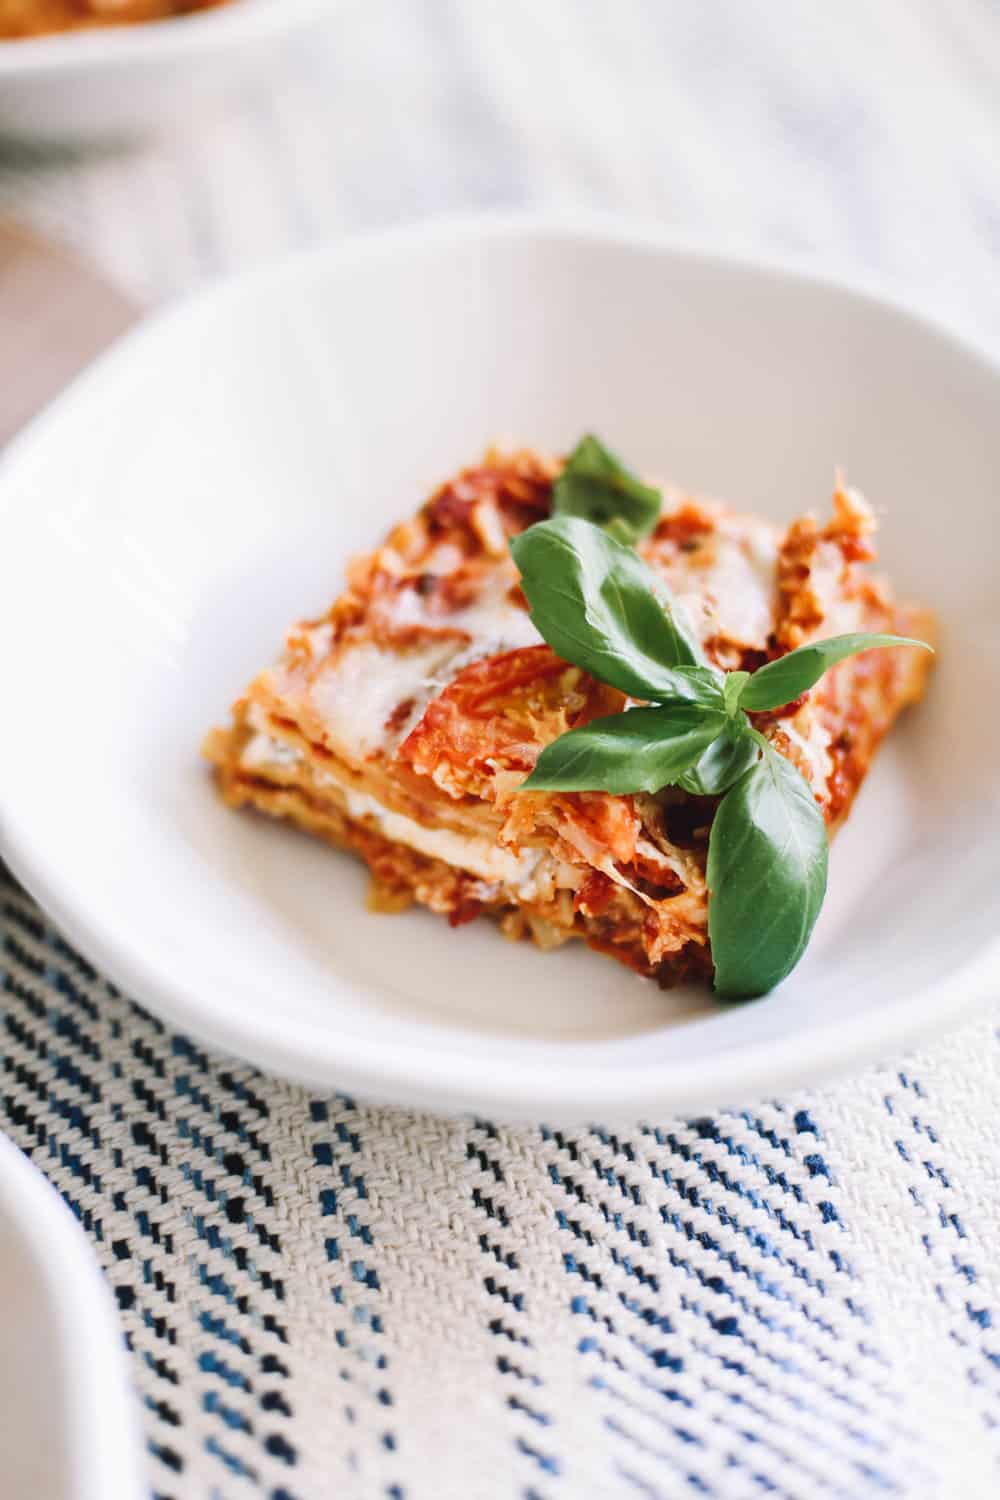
(401, 724)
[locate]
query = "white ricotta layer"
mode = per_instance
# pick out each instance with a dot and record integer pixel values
(262, 750)
(479, 856)
(463, 851)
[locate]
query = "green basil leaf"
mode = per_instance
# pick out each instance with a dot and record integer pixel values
(602, 608)
(767, 863)
(596, 485)
(724, 762)
(637, 751)
(732, 688)
(778, 682)
(621, 531)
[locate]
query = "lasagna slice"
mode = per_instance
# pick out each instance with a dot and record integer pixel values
(401, 723)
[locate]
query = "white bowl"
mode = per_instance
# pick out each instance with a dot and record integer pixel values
(121, 80)
(201, 487)
(69, 1426)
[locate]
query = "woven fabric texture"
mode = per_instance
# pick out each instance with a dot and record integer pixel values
(323, 1299)
(329, 1300)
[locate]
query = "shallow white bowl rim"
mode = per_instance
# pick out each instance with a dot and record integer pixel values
(371, 1069)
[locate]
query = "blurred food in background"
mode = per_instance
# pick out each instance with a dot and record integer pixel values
(107, 72)
(23, 18)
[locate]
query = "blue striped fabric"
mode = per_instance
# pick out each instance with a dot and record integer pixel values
(326, 1299)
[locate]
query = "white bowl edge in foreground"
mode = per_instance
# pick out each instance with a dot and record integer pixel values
(69, 1426)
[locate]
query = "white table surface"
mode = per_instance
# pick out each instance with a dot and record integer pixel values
(859, 137)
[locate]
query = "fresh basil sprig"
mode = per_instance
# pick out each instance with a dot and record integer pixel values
(599, 606)
(596, 486)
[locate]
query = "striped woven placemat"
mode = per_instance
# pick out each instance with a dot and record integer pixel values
(327, 1299)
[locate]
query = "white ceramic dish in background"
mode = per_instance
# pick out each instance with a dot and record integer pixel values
(68, 1422)
(202, 486)
(122, 80)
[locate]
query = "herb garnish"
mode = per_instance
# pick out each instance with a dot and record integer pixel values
(599, 606)
(767, 859)
(596, 486)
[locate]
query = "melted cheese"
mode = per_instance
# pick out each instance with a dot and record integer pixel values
(743, 584)
(840, 615)
(492, 621)
(727, 586)
(357, 696)
(813, 741)
(729, 589)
